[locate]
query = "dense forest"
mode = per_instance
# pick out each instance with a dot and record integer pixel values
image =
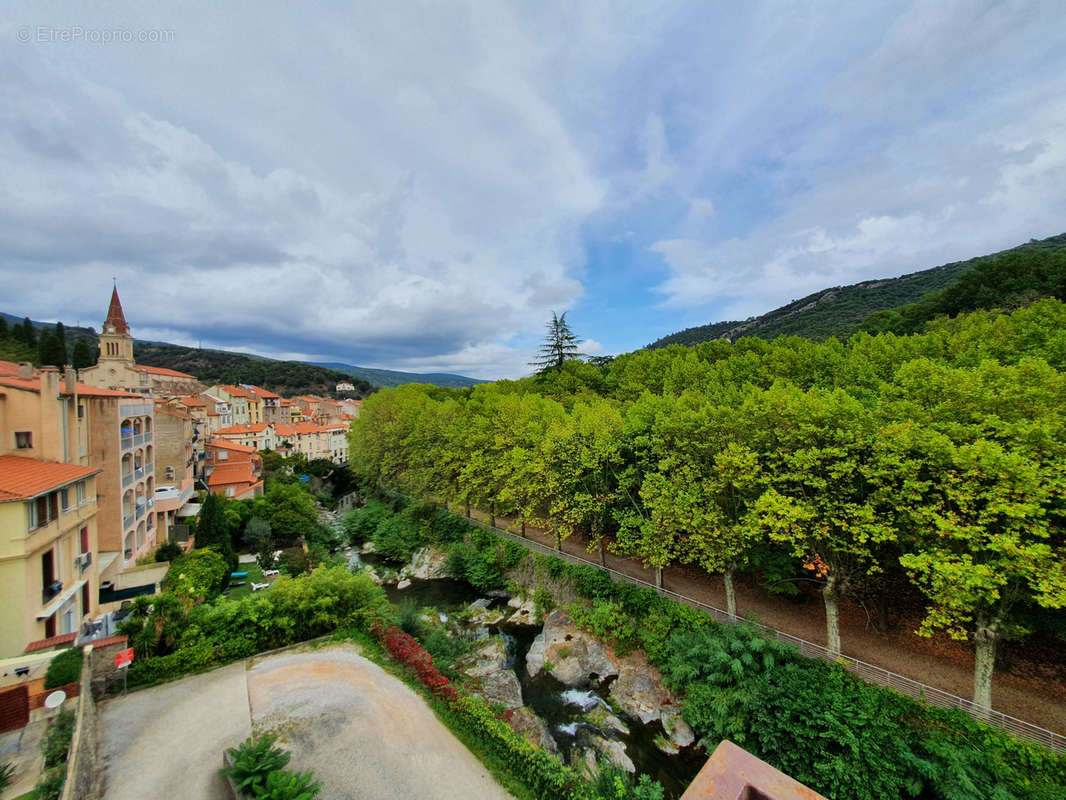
(843, 310)
(886, 465)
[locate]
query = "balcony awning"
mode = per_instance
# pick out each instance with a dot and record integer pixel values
(189, 510)
(60, 600)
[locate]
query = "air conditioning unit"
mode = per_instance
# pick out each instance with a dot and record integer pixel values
(84, 560)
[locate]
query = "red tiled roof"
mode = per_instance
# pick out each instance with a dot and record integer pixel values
(261, 392)
(237, 448)
(9, 369)
(170, 373)
(192, 402)
(226, 474)
(234, 391)
(115, 316)
(257, 427)
(26, 384)
(92, 391)
(24, 478)
(50, 642)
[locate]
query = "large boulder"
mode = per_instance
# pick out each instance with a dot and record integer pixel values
(525, 611)
(574, 657)
(524, 721)
(429, 563)
(610, 750)
(482, 614)
(639, 692)
(494, 681)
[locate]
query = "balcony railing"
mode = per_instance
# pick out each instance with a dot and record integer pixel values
(127, 479)
(141, 508)
(127, 521)
(127, 442)
(139, 473)
(149, 468)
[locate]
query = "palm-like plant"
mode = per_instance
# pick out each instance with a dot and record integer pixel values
(253, 761)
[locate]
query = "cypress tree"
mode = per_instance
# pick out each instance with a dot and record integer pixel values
(49, 352)
(61, 343)
(3, 328)
(29, 335)
(81, 357)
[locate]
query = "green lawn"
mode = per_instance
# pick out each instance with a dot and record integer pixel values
(255, 575)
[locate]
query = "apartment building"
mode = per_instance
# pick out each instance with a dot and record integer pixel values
(233, 470)
(258, 436)
(49, 572)
(245, 405)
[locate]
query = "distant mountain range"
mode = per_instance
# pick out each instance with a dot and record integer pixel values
(841, 310)
(386, 377)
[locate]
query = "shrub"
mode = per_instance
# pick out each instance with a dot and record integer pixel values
(359, 524)
(398, 537)
(295, 561)
(197, 576)
(252, 760)
(56, 745)
(405, 649)
(168, 552)
(7, 775)
(50, 786)
(608, 620)
(65, 668)
(285, 785)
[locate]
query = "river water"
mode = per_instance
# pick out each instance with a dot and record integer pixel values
(562, 708)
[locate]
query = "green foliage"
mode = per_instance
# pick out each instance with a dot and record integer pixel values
(359, 524)
(252, 761)
(608, 620)
(614, 783)
(56, 744)
(398, 536)
(50, 785)
(168, 551)
(197, 576)
(81, 357)
(63, 669)
(7, 770)
(293, 610)
(295, 561)
(286, 785)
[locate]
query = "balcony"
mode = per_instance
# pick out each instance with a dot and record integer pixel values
(141, 508)
(139, 473)
(127, 521)
(127, 479)
(149, 469)
(127, 442)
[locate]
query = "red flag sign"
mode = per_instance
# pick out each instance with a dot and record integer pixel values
(123, 658)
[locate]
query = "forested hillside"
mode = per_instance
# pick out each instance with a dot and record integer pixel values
(390, 377)
(883, 467)
(220, 366)
(841, 310)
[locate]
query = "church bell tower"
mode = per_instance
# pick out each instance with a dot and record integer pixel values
(116, 344)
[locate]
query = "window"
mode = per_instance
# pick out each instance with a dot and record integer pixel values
(222, 455)
(48, 574)
(81, 493)
(84, 538)
(43, 510)
(81, 411)
(23, 440)
(64, 499)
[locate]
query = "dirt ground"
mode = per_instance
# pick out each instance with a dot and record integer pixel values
(362, 731)
(939, 662)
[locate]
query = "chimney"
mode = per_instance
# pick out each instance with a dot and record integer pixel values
(49, 382)
(25, 369)
(70, 380)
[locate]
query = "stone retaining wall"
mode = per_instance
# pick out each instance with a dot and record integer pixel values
(81, 764)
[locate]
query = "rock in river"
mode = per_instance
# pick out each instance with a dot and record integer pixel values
(576, 657)
(523, 720)
(487, 665)
(429, 563)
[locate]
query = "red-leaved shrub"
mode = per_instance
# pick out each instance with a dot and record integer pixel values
(405, 649)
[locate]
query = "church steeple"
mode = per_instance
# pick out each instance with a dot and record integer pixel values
(116, 320)
(115, 340)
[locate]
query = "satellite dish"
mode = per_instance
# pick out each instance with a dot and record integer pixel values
(55, 699)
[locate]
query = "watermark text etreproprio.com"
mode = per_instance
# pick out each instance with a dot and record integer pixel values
(56, 34)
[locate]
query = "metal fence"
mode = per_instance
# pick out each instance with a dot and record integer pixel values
(868, 672)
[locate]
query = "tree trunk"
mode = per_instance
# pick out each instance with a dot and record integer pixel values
(659, 577)
(832, 615)
(984, 645)
(603, 553)
(558, 541)
(523, 529)
(492, 514)
(730, 594)
(468, 509)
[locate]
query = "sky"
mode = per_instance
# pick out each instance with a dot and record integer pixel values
(418, 186)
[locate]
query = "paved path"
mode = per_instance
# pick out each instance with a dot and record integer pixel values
(167, 741)
(362, 731)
